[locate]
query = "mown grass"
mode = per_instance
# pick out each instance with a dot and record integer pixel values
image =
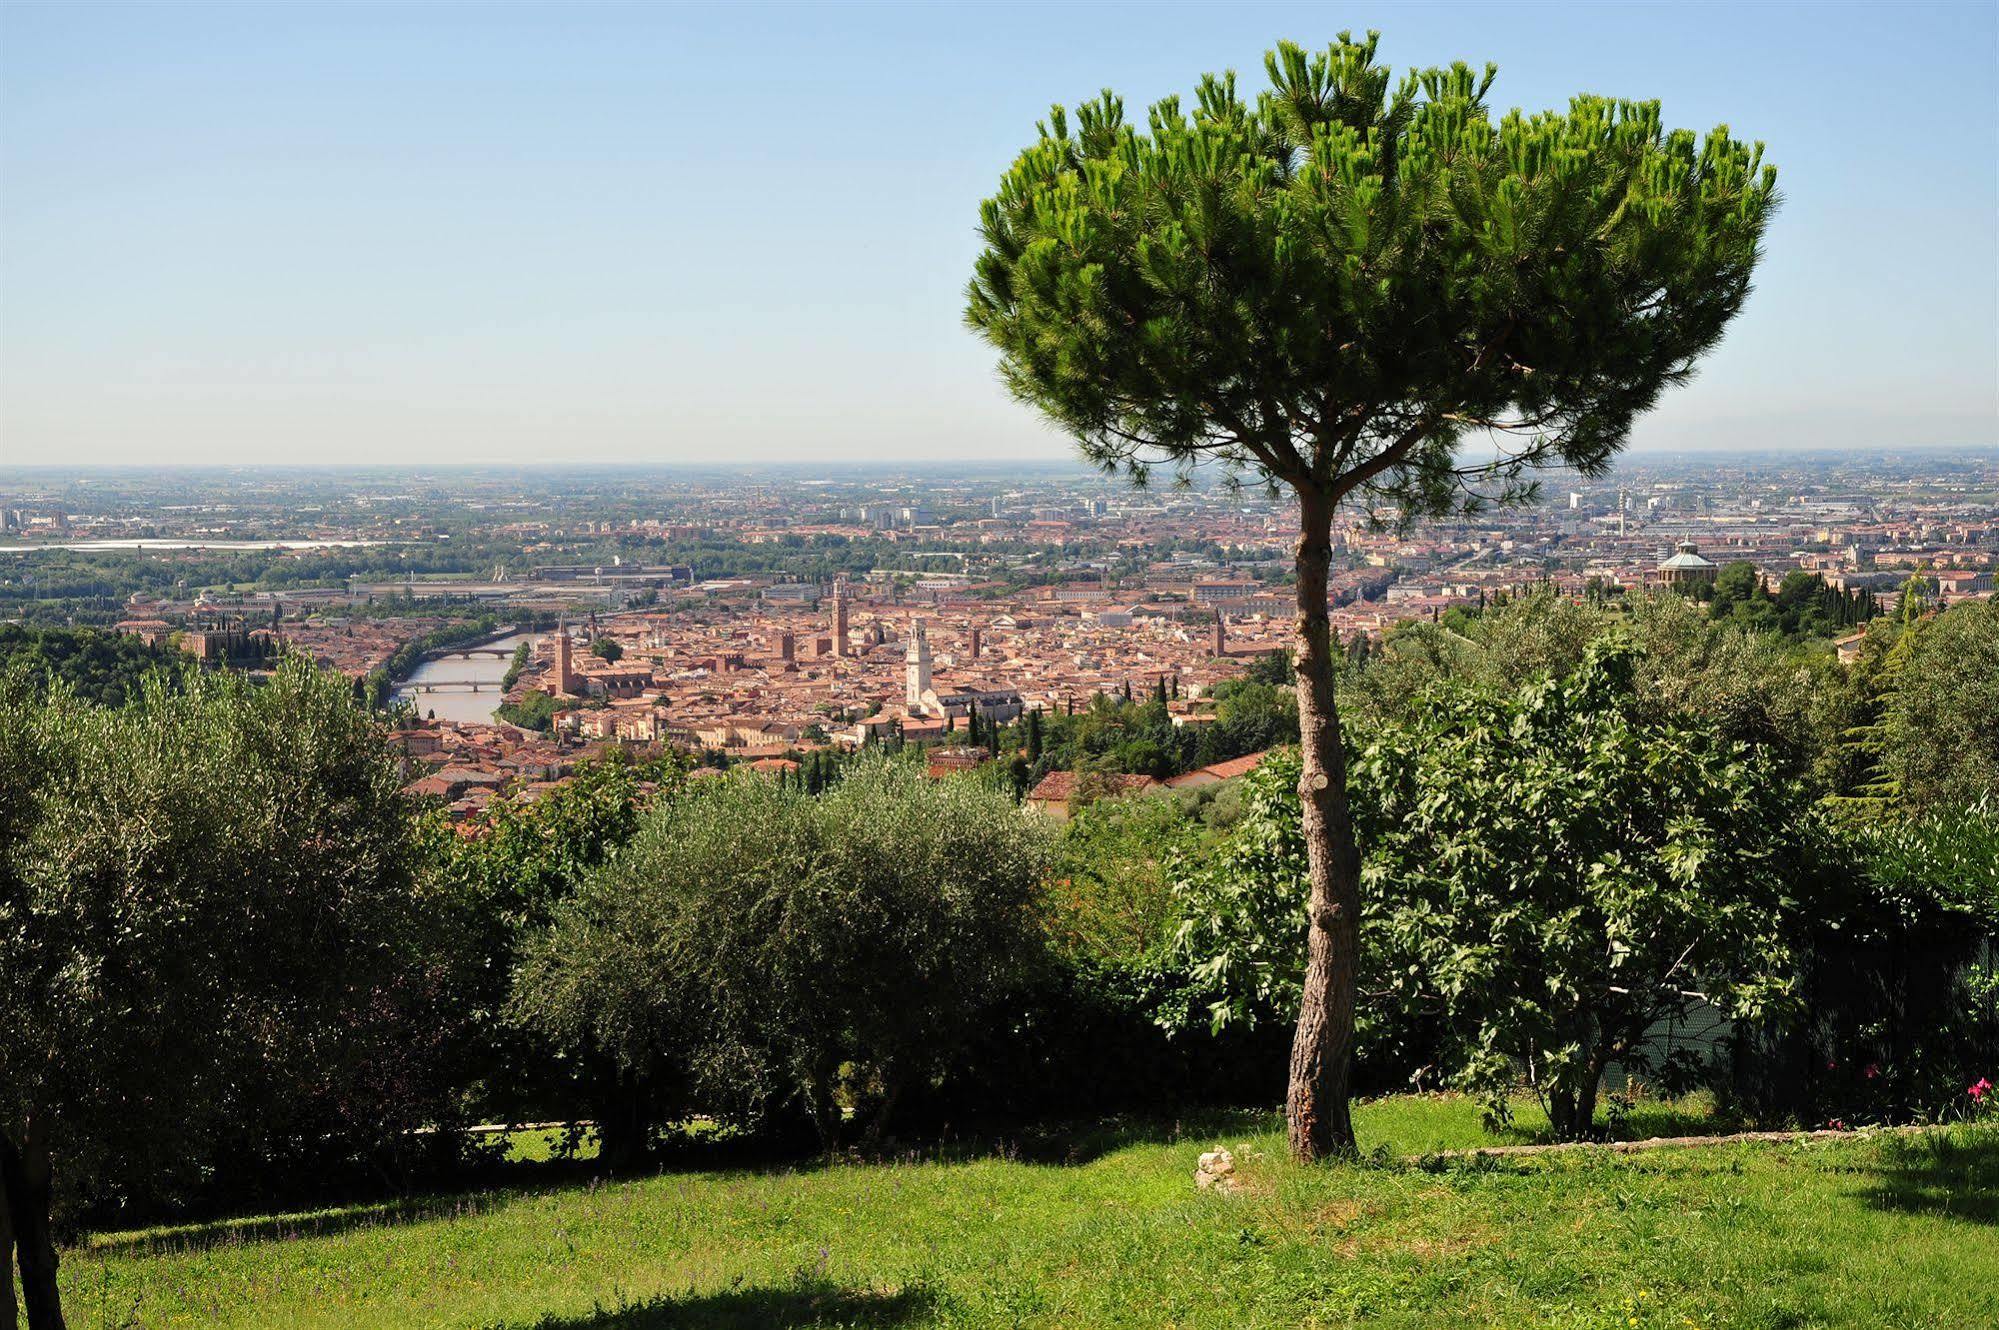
(1106, 1228)
(539, 1145)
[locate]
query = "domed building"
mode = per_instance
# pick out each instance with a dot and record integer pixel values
(1688, 568)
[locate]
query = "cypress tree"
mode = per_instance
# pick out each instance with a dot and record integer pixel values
(1873, 790)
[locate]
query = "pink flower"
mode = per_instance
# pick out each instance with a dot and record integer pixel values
(1979, 1089)
(1873, 1070)
(1830, 1065)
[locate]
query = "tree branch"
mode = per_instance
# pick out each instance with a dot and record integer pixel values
(1347, 482)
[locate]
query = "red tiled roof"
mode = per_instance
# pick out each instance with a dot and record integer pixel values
(1060, 786)
(1218, 772)
(1237, 766)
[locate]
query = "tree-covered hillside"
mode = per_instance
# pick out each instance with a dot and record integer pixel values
(102, 667)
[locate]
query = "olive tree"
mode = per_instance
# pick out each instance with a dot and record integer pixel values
(1374, 295)
(757, 951)
(213, 946)
(529, 855)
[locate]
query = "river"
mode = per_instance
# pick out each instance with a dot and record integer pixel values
(463, 705)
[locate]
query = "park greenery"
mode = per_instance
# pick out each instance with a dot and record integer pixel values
(1802, 605)
(1137, 735)
(532, 710)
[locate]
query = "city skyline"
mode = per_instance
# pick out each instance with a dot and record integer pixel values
(528, 235)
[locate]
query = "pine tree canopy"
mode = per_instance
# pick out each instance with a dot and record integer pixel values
(1338, 285)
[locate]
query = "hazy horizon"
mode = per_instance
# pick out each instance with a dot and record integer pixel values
(522, 234)
(1040, 466)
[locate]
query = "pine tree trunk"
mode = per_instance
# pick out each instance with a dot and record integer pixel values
(1321, 1122)
(27, 1174)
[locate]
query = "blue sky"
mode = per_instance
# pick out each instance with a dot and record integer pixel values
(375, 233)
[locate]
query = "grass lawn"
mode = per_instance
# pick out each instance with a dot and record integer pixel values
(1108, 1230)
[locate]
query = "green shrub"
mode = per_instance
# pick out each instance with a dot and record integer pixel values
(1898, 978)
(1791, 700)
(1109, 897)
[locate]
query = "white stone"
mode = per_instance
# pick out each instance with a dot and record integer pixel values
(1216, 1171)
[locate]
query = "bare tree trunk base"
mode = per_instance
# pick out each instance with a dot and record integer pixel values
(28, 1177)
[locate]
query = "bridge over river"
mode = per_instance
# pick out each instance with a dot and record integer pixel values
(462, 683)
(450, 653)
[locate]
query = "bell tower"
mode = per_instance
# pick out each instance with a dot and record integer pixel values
(917, 668)
(562, 678)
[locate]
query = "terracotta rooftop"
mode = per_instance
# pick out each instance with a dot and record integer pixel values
(1060, 786)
